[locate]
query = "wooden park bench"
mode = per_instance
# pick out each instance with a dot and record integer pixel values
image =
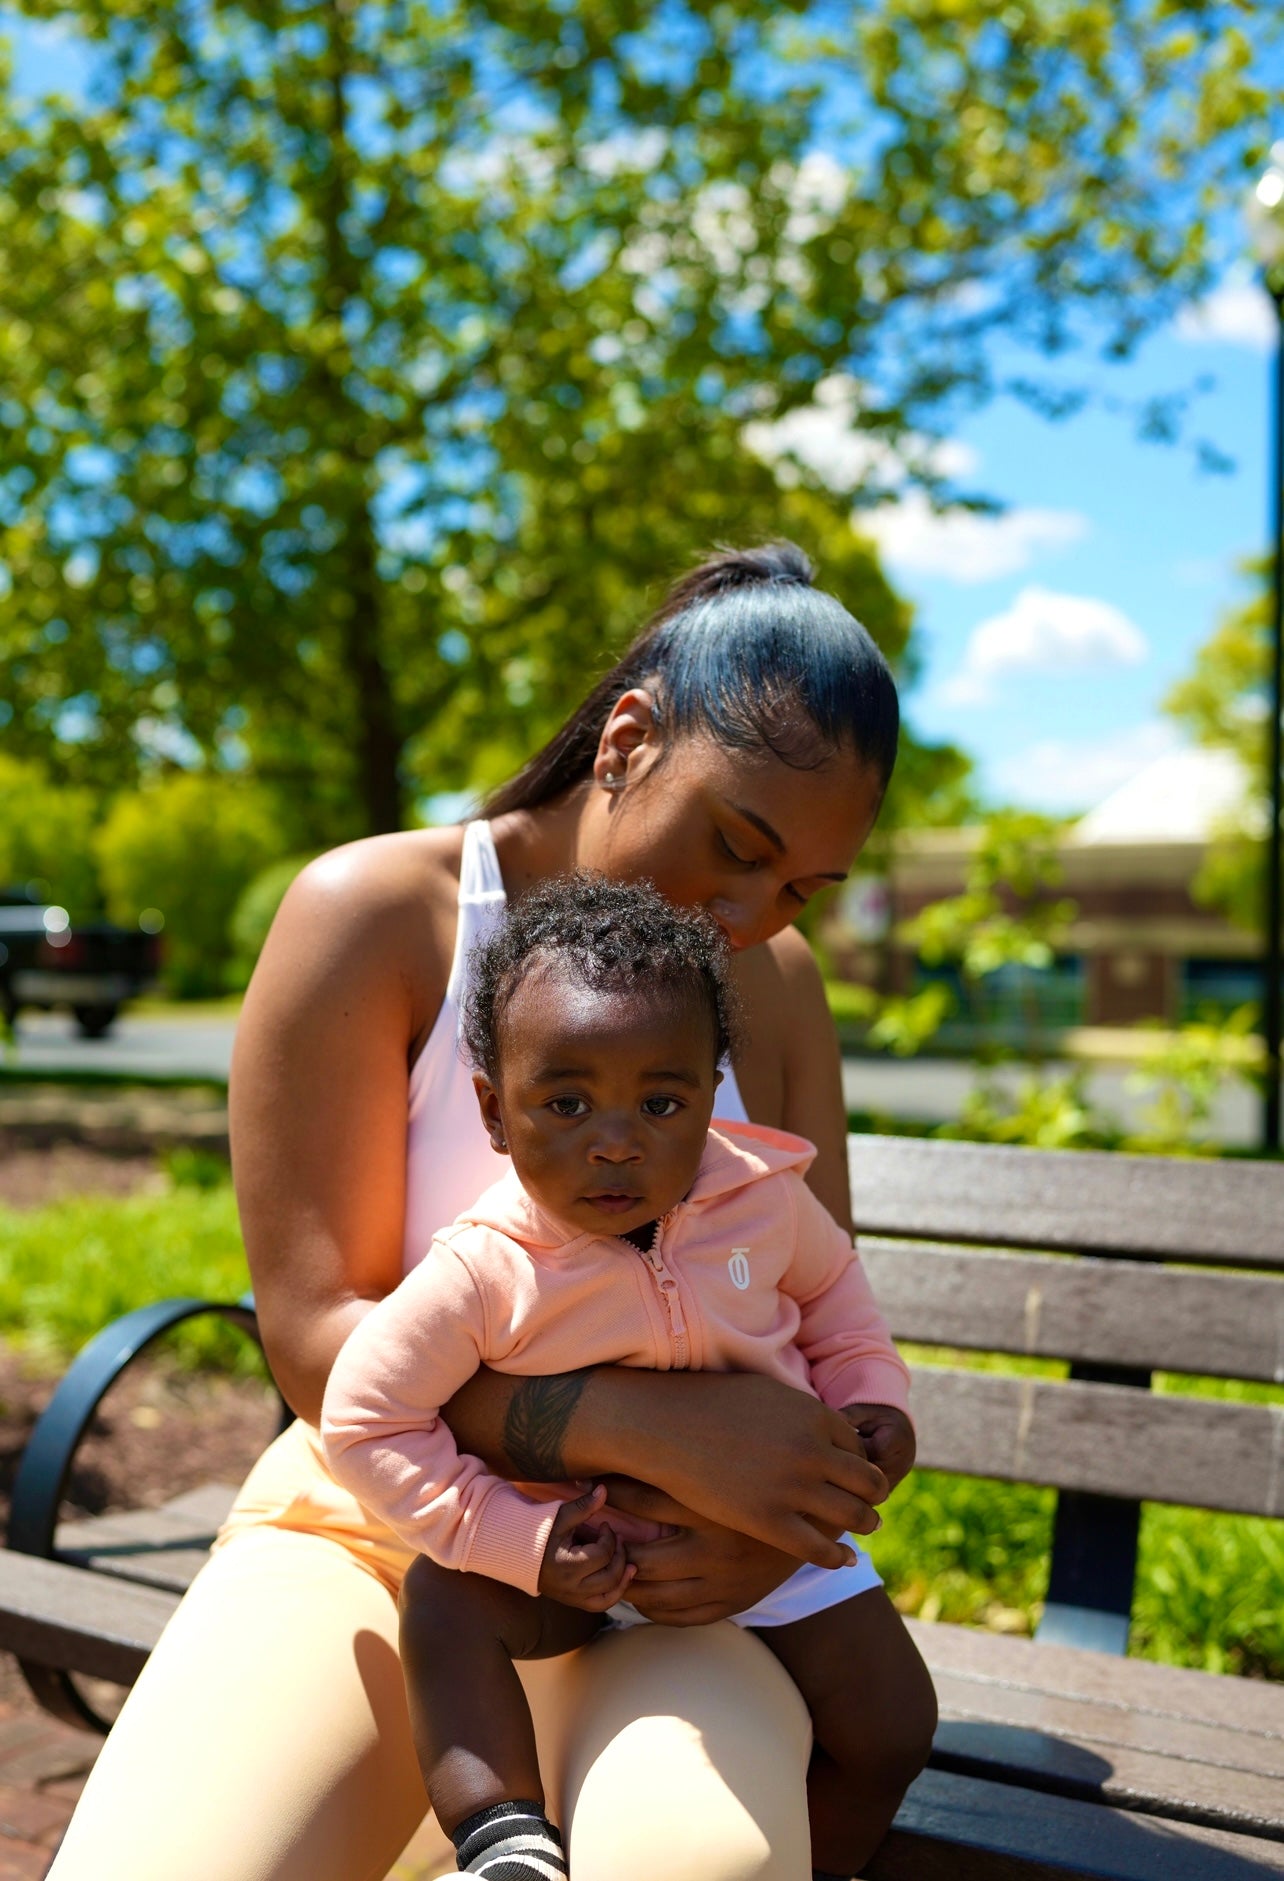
(1055, 1756)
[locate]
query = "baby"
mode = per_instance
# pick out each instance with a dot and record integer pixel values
(627, 1232)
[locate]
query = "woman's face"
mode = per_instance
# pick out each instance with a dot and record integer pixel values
(742, 834)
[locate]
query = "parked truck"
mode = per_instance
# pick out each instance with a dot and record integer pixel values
(88, 968)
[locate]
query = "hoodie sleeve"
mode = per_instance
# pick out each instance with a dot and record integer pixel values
(843, 1336)
(385, 1441)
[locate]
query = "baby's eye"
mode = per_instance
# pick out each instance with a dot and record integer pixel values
(568, 1106)
(660, 1106)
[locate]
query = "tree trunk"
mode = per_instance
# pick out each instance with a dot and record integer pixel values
(379, 743)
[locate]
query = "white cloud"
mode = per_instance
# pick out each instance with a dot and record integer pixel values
(1044, 632)
(1238, 313)
(825, 438)
(963, 545)
(1061, 774)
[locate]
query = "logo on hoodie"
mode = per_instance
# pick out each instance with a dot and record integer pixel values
(738, 1267)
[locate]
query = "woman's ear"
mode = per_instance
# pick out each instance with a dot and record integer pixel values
(631, 730)
(488, 1104)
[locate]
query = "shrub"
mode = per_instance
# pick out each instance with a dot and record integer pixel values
(47, 837)
(187, 846)
(255, 912)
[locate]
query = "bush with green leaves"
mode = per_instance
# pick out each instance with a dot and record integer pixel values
(255, 912)
(188, 845)
(47, 837)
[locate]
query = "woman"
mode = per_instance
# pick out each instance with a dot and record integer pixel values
(737, 756)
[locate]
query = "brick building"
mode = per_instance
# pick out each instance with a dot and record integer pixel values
(1141, 946)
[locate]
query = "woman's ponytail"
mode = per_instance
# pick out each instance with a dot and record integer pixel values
(746, 650)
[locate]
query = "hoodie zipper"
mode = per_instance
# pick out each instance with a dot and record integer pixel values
(667, 1287)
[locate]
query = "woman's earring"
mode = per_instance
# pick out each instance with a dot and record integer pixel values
(611, 782)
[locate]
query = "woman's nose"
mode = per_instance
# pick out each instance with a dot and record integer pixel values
(745, 921)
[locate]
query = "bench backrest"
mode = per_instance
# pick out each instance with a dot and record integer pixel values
(1121, 1265)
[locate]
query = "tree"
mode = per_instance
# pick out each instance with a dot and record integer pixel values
(365, 360)
(1223, 703)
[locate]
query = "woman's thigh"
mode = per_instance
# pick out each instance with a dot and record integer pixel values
(680, 1752)
(268, 1740)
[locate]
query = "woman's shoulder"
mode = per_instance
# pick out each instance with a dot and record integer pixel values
(386, 905)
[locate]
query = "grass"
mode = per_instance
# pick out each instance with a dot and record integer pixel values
(952, 1548)
(70, 1267)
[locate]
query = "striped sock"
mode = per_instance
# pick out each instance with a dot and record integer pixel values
(510, 1842)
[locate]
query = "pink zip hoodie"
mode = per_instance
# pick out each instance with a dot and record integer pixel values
(748, 1273)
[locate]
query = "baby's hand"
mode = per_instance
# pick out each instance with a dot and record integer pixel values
(584, 1563)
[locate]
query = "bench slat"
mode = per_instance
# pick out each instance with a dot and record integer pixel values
(163, 1547)
(1161, 1691)
(1108, 1312)
(1077, 1201)
(958, 1828)
(1105, 1439)
(60, 1616)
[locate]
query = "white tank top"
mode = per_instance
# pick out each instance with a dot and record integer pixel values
(449, 1160)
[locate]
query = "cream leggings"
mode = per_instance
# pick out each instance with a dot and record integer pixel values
(267, 1739)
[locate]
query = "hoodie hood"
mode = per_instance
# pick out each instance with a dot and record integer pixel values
(735, 1154)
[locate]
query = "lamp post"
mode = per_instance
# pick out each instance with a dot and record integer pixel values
(1266, 229)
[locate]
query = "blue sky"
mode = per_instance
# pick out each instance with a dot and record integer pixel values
(1049, 634)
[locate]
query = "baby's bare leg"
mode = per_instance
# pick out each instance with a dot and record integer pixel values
(873, 1713)
(460, 1634)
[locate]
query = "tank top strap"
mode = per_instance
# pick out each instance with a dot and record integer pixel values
(481, 898)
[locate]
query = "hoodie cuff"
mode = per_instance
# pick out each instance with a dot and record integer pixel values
(868, 1381)
(507, 1538)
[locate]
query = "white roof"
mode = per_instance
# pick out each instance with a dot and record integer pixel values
(1187, 796)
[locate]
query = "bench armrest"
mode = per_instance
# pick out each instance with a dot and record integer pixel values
(47, 1459)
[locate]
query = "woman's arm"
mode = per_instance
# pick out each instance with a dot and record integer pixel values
(791, 1073)
(354, 968)
(746, 1452)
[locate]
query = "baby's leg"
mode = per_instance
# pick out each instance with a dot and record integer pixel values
(460, 1634)
(856, 1667)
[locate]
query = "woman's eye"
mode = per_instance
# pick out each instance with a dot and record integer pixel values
(568, 1106)
(733, 855)
(661, 1106)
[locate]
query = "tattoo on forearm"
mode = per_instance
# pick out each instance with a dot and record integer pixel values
(538, 1414)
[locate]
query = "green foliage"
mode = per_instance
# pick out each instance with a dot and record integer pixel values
(1042, 1112)
(961, 1549)
(255, 912)
(47, 837)
(1223, 703)
(187, 845)
(1184, 1076)
(368, 367)
(68, 1268)
(1005, 915)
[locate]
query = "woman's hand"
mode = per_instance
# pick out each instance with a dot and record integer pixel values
(746, 1452)
(697, 1571)
(888, 1437)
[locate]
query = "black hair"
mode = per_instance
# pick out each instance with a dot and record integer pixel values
(605, 935)
(745, 648)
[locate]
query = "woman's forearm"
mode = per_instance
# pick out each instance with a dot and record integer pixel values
(566, 1427)
(743, 1450)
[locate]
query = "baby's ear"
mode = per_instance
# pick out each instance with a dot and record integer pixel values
(488, 1104)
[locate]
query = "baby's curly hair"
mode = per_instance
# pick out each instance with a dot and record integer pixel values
(605, 935)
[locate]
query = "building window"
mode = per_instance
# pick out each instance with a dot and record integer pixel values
(1015, 999)
(1217, 987)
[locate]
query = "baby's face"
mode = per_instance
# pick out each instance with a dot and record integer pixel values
(603, 1101)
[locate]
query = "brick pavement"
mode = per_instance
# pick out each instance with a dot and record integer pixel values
(43, 1766)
